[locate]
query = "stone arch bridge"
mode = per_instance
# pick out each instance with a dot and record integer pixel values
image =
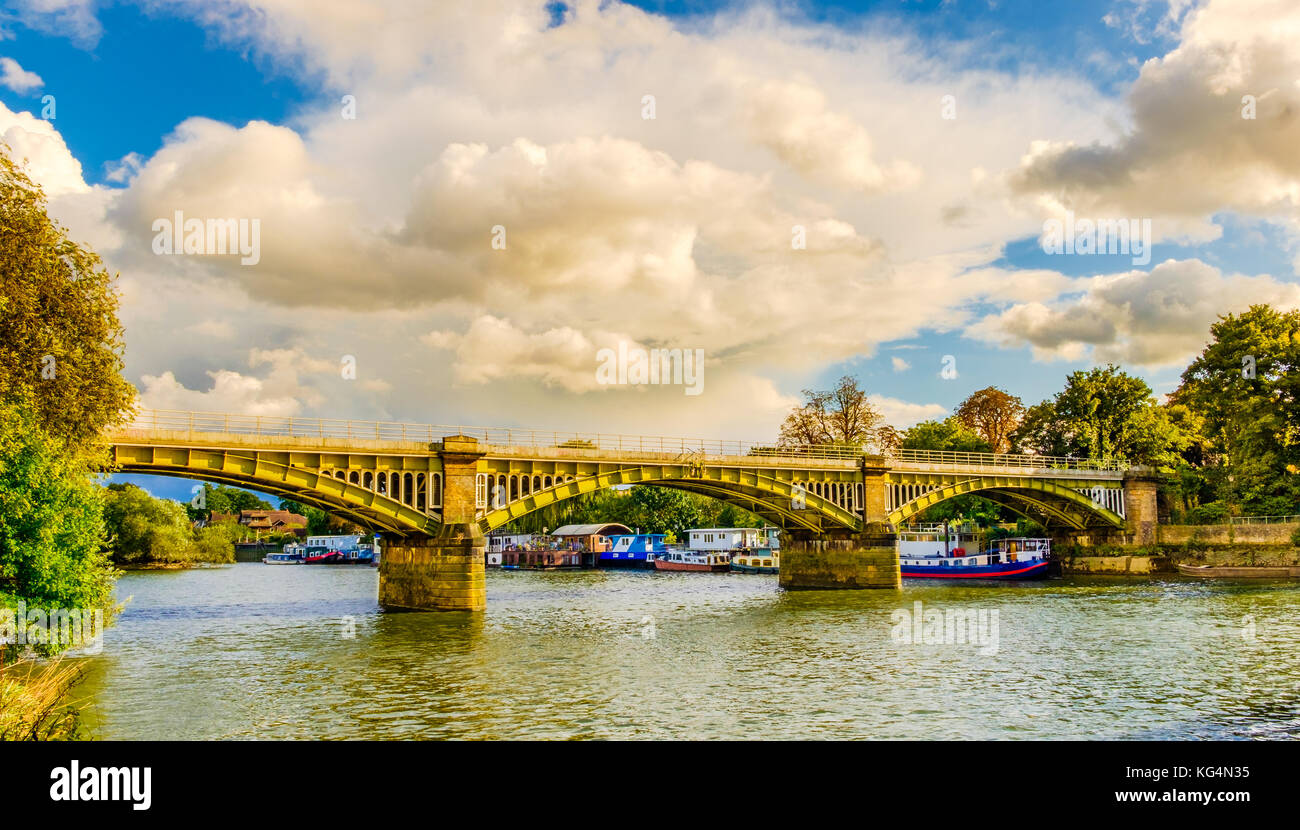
(434, 491)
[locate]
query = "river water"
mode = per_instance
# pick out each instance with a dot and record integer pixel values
(256, 651)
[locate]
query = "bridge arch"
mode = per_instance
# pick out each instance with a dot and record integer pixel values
(1067, 506)
(334, 493)
(765, 495)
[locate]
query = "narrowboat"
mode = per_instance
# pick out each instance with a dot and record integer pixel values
(684, 560)
(1019, 558)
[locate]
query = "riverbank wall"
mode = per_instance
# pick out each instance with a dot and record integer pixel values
(1235, 544)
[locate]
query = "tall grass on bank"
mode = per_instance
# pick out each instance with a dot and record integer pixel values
(35, 701)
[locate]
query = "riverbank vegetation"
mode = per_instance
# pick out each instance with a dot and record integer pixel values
(144, 531)
(60, 388)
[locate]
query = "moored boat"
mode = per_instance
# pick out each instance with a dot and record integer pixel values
(289, 555)
(682, 560)
(321, 556)
(633, 550)
(1019, 558)
(756, 561)
(1240, 571)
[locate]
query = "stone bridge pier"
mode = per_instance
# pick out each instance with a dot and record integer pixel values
(443, 572)
(840, 559)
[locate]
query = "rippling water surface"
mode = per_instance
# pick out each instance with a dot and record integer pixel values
(255, 651)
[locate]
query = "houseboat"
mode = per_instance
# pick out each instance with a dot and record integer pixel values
(727, 539)
(362, 554)
(757, 561)
(685, 560)
(634, 550)
(319, 555)
(931, 553)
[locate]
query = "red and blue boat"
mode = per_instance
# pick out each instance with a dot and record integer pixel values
(933, 555)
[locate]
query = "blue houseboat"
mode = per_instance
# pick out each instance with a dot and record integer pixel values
(633, 550)
(935, 554)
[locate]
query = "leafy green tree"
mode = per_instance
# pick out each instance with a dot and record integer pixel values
(60, 338)
(1245, 388)
(51, 524)
(949, 434)
(227, 500)
(1103, 413)
(663, 510)
(215, 542)
(145, 530)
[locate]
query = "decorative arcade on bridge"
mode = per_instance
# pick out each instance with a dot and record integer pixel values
(435, 491)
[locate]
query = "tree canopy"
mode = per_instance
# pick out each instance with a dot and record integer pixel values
(60, 339)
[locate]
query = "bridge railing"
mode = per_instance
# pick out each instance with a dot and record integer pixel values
(164, 420)
(985, 459)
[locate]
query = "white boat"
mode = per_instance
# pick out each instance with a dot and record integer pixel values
(681, 560)
(290, 555)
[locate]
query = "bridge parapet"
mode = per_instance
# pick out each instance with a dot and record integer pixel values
(175, 424)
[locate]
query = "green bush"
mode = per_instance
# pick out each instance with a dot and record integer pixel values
(1213, 513)
(1295, 537)
(51, 519)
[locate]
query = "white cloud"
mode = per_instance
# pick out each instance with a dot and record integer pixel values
(899, 364)
(902, 414)
(16, 78)
(1138, 318)
(1190, 153)
(669, 232)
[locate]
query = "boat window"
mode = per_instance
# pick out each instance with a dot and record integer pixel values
(767, 563)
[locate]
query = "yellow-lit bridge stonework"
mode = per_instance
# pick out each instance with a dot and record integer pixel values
(434, 491)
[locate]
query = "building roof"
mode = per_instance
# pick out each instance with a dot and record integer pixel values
(591, 530)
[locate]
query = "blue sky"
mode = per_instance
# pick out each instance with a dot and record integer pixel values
(124, 85)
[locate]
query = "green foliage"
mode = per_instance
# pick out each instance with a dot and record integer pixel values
(51, 522)
(949, 434)
(226, 500)
(1103, 413)
(1213, 513)
(60, 339)
(144, 530)
(965, 509)
(1295, 537)
(1251, 425)
(215, 542)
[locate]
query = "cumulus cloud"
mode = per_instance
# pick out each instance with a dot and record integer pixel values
(1151, 319)
(793, 121)
(48, 160)
(282, 382)
(670, 232)
(1190, 152)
